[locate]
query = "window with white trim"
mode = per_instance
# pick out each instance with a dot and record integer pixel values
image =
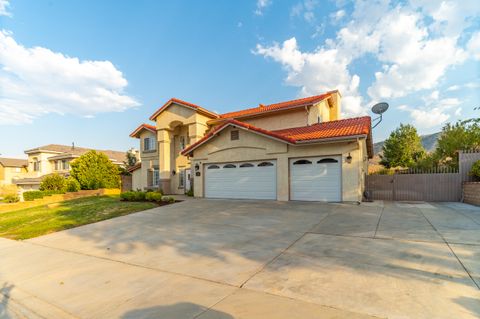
(155, 177)
(36, 164)
(181, 179)
(182, 142)
(149, 144)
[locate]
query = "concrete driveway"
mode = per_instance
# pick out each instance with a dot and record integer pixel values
(247, 259)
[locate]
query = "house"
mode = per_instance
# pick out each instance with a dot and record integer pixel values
(10, 169)
(294, 150)
(54, 158)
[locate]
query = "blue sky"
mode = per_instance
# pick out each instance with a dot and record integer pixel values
(90, 71)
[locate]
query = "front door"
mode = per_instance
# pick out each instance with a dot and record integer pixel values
(188, 179)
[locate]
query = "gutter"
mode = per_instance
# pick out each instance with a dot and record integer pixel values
(331, 139)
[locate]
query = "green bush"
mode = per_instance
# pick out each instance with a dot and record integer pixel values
(139, 196)
(190, 193)
(94, 170)
(11, 198)
(168, 199)
(475, 171)
(72, 185)
(31, 195)
(384, 171)
(153, 196)
(127, 196)
(53, 182)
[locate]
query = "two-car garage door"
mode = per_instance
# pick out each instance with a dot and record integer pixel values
(311, 179)
(246, 180)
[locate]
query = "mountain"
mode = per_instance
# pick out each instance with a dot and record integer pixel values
(429, 142)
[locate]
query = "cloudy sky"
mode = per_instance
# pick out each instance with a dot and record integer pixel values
(89, 72)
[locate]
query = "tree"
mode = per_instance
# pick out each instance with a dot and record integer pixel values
(454, 137)
(93, 170)
(131, 159)
(53, 182)
(402, 148)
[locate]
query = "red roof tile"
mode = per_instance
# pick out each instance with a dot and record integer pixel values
(134, 167)
(331, 129)
(178, 101)
(143, 127)
(277, 106)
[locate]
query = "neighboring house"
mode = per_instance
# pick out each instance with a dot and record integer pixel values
(54, 158)
(294, 150)
(11, 169)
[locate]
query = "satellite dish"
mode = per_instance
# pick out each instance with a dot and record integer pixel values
(379, 109)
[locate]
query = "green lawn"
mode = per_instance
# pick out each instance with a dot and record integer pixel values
(44, 219)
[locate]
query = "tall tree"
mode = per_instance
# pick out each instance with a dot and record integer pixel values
(454, 137)
(402, 148)
(94, 170)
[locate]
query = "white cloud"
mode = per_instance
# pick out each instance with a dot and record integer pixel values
(261, 5)
(337, 16)
(305, 9)
(473, 45)
(317, 72)
(4, 4)
(415, 43)
(37, 81)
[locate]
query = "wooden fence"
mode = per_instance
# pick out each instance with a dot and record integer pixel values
(438, 184)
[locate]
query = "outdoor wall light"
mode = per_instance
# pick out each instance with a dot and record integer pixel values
(173, 172)
(349, 158)
(197, 167)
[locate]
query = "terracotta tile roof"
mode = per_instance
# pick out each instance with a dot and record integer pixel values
(13, 162)
(339, 128)
(143, 127)
(178, 101)
(298, 135)
(241, 125)
(67, 150)
(134, 167)
(277, 106)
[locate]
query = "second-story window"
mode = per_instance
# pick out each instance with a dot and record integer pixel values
(148, 144)
(65, 165)
(182, 142)
(36, 165)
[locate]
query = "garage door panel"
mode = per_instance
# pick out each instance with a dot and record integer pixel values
(248, 182)
(315, 179)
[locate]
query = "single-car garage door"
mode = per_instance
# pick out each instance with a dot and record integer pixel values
(316, 179)
(246, 180)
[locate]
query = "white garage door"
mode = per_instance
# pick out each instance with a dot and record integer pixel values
(246, 180)
(316, 179)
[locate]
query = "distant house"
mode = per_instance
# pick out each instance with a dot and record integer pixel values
(54, 158)
(11, 169)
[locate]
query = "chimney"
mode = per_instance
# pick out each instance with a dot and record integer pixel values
(73, 146)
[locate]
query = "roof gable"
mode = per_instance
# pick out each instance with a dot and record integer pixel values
(13, 162)
(189, 105)
(142, 127)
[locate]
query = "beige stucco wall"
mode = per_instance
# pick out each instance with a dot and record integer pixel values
(251, 147)
(172, 123)
(137, 179)
(46, 167)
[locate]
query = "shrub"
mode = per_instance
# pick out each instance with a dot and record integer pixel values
(54, 182)
(31, 195)
(475, 171)
(94, 170)
(168, 199)
(153, 196)
(190, 193)
(384, 171)
(72, 185)
(127, 196)
(11, 198)
(139, 196)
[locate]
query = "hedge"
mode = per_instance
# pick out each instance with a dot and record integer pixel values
(31, 195)
(139, 196)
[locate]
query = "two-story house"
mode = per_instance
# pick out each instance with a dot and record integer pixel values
(55, 158)
(293, 150)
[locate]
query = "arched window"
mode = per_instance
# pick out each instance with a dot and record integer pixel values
(213, 167)
(246, 165)
(327, 160)
(302, 162)
(265, 164)
(229, 166)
